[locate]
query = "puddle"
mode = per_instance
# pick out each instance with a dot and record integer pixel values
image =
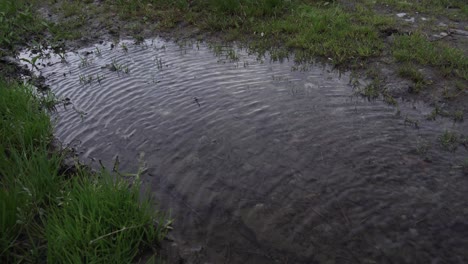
(258, 163)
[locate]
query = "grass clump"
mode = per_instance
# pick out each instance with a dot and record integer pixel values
(458, 116)
(416, 48)
(410, 72)
(449, 140)
(101, 220)
(17, 20)
(49, 216)
(327, 31)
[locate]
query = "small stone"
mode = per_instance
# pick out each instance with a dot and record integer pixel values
(401, 15)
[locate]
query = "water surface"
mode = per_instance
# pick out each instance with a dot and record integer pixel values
(261, 164)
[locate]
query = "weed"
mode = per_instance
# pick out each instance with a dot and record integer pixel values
(411, 122)
(422, 148)
(32, 61)
(389, 99)
(49, 100)
(117, 67)
(457, 116)
(371, 91)
(84, 61)
(449, 140)
(138, 39)
(410, 72)
(98, 51)
(124, 47)
(86, 79)
(434, 113)
(159, 63)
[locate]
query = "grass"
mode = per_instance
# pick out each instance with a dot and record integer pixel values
(458, 116)
(449, 140)
(417, 49)
(17, 19)
(49, 216)
(410, 72)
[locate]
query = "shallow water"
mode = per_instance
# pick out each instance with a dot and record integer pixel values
(258, 163)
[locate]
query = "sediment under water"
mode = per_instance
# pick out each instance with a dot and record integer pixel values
(259, 163)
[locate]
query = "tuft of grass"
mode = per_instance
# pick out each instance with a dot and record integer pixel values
(49, 216)
(101, 220)
(415, 48)
(325, 31)
(372, 90)
(457, 116)
(17, 20)
(449, 140)
(410, 72)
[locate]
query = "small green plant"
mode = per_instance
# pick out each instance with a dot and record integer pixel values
(32, 61)
(84, 61)
(86, 79)
(231, 55)
(422, 147)
(139, 39)
(411, 122)
(124, 47)
(449, 140)
(410, 72)
(458, 116)
(49, 100)
(434, 113)
(98, 51)
(159, 64)
(371, 90)
(117, 67)
(389, 99)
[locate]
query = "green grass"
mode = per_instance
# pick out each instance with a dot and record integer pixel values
(18, 23)
(410, 72)
(416, 48)
(325, 31)
(47, 216)
(449, 140)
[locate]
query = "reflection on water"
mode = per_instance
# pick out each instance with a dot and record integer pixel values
(261, 164)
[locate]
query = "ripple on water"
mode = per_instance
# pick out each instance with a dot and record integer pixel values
(262, 164)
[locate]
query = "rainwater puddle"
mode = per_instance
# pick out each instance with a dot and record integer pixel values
(261, 164)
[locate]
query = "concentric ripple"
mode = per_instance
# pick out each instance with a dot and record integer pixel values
(261, 164)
